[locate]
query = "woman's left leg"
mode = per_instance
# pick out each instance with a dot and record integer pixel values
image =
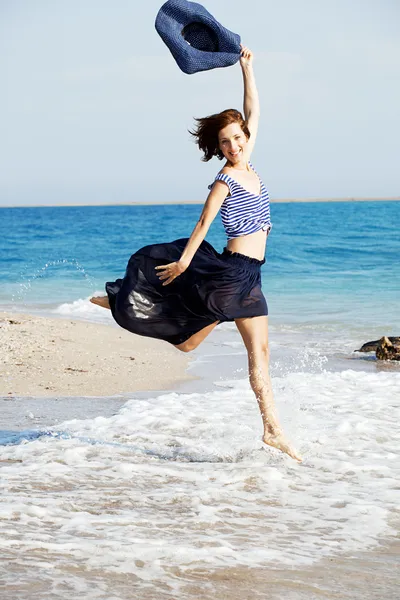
(254, 332)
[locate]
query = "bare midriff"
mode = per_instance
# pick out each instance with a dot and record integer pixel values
(252, 244)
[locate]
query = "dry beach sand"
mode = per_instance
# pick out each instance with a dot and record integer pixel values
(48, 357)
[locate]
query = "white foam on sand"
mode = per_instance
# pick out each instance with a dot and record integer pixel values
(181, 480)
(82, 308)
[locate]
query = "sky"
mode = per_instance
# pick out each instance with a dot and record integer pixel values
(94, 109)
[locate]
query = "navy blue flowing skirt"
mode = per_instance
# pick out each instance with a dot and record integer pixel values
(215, 287)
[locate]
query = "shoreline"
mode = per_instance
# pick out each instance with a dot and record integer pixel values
(201, 202)
(55, 357)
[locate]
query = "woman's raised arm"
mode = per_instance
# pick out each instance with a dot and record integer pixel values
(251, 103)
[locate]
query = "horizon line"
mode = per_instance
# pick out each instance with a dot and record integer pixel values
(199, 202)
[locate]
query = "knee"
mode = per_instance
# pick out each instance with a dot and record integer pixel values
(260, 352)
(186, 346)
(265, 351)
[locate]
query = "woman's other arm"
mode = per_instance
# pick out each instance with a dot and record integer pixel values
(251, 103)
(168, 273)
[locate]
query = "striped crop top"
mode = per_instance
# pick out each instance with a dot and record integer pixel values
(242, 212)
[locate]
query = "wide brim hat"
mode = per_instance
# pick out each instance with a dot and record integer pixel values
(197, 41)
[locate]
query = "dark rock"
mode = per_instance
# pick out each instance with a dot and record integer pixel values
(386, 350)
(372, 346)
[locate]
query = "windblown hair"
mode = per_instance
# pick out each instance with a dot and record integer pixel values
(206, 132)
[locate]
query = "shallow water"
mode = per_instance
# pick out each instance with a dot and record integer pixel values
(176, 488)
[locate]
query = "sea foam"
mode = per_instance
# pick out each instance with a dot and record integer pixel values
(82, 308)
(182, 480)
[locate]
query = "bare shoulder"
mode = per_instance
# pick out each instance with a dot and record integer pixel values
(225, 170)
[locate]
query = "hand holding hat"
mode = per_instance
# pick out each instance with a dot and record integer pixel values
(246, 57)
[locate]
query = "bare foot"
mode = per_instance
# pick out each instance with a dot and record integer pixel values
(279, 441)
(100, 301)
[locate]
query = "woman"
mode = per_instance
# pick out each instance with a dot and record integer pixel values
(180, 291)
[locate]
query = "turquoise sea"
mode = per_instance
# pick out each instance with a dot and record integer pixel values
(169, 495)
(326, 262)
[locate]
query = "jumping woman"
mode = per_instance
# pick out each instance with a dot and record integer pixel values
(180, 291)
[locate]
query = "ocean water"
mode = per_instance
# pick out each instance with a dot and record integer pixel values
(336, 261)
(171, 495)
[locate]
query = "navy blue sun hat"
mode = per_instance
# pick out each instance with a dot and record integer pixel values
(196, 40)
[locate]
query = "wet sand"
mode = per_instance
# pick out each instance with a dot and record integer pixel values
(56, 357)
(366, 575)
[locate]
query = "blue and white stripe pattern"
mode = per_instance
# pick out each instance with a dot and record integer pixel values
(242, 212)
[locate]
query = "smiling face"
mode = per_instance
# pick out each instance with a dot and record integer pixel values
(232, 142)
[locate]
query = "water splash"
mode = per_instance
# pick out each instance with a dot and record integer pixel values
(49, 269)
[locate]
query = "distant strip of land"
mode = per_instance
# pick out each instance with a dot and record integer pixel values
(272, 200)
(394, 198)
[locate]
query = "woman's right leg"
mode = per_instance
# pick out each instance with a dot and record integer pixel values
(196, 339)
(190, 344)
(100, 301)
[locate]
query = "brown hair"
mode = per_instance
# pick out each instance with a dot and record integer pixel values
(206, 132)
